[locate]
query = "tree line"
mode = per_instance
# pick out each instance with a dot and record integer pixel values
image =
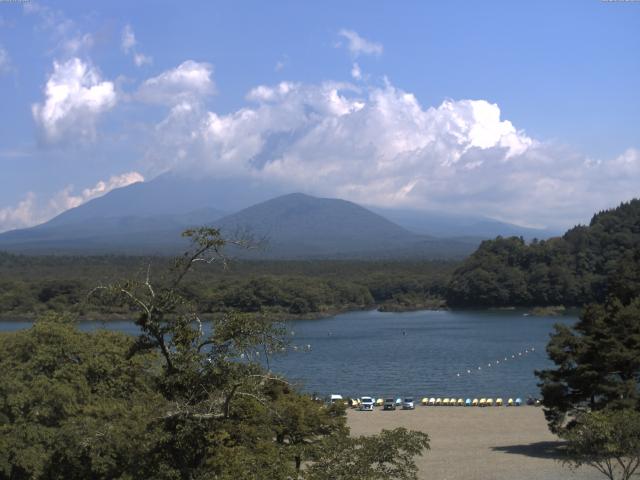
(30, 286)
(572, 270)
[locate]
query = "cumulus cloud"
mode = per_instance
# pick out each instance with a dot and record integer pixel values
(129, 44)
(30, 211)
(75, 98)
(378, 145)
(358, 45)
(188, 82)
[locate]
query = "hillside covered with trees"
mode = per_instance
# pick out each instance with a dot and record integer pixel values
(572, 270)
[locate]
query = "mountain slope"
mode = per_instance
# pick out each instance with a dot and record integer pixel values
(450, 225)
(170, 194)
(302, 226)
(295, 226)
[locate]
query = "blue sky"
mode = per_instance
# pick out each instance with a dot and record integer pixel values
(561, 76)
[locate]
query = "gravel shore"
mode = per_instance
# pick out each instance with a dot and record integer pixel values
(493, 443)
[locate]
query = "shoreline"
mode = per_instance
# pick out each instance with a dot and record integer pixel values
(558, 311)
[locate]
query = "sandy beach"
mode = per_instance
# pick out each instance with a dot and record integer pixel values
(493, 443)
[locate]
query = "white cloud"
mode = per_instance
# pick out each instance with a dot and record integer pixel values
(356, 73)
(75, 97)
(30, 211)
(66, 37)
(358, 45)
(380, 146)
(189, 81)
(22, 215)
(129, 44)
(140, 59)
(128, 40)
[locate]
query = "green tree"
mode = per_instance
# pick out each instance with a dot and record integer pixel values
(598, 363)
(608, 441)
(389, 455)
(73, 406)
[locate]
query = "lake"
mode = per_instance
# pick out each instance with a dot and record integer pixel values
(424, 353)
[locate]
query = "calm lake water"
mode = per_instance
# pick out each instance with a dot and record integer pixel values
(425, 353)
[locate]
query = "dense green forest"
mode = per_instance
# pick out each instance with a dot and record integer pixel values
(571, 270)
(30, 285)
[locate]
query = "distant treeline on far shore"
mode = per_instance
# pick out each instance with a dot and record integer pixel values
(582, 266)
(31, 285)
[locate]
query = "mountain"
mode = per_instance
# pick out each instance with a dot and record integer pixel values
(302, 226)
(130, 234)
(147, 218)
(295, 226)
(170, 194)
(450, 225)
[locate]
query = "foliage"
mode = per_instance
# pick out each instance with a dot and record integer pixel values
(572, 270)
(607, 440)
(180, 401)
(30, 286)
(388, 455)
(72, 405)
(597, 361)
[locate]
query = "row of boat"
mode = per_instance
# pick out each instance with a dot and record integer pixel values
(456, 402)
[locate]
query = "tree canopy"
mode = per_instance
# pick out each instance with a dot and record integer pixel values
(177, 402)
(571, 270)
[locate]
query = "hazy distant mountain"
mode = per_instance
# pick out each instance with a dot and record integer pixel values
(294, 225)
(451, 225)
(152, 234)
(147, 218)
(171, 194)
(302, 226)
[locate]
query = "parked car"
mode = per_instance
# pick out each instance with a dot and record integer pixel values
(389, 404)
(366, 404)
(407, 403)
(334, 398)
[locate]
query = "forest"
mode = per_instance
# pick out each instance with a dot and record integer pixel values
(573, 270)
(31, 285)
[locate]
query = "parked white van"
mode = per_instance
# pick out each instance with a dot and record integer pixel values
(366, 404)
